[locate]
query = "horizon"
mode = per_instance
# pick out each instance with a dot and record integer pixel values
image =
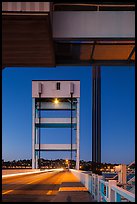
(65, 159)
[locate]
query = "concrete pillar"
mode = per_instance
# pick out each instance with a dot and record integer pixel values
(122, 174)
(77, 134)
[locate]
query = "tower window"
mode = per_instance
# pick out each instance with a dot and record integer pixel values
(58, 85)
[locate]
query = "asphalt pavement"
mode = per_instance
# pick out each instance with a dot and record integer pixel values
(60, 186)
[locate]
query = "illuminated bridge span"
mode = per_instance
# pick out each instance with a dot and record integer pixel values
(58, 185)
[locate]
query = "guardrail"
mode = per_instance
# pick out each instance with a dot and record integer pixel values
(103, 191)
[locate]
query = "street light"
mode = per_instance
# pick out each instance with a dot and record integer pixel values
(56, 101)
(67, 162)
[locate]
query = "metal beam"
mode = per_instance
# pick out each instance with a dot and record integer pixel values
(51, 106)
(71, 130)
(95, 62)
(94, 114)
(78, 134)
(96, 118)
(92, 54)
(39, 128)
(55, 121)
(55, 147)
(98, 159)
(33, 133)
(132, 52)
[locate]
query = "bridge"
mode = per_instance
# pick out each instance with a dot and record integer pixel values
(60, 185)
(44, 34)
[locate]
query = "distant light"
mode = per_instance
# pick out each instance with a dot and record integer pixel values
(56, 101)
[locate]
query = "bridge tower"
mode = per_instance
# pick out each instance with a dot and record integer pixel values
(55, 96)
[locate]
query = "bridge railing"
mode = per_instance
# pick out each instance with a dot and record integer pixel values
(103, 191)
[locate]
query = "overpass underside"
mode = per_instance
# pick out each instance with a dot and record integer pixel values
(42, 34)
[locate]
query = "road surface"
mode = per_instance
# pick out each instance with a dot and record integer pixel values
(41, 187)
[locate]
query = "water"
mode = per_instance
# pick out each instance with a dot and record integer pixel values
(130, 176)
(109, 175)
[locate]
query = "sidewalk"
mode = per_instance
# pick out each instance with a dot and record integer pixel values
(72, 190)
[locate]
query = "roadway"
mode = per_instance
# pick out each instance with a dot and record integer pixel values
(41, 187)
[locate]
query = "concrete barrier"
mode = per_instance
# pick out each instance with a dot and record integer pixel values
(103, 191)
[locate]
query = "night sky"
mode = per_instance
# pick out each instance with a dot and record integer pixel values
(117, 114)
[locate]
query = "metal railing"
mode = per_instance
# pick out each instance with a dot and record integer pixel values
(103, 191)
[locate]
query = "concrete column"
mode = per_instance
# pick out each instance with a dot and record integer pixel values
(33, 133)
(122, 174)
(77, 134)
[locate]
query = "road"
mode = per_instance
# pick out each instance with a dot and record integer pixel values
(41, 187)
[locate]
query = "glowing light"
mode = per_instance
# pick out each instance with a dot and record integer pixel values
(56, 101)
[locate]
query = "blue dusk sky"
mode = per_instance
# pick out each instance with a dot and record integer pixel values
(117, 114)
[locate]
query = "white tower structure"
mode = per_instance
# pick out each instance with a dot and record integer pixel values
(55, 95)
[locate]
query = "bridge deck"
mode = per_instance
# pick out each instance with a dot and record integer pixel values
(72, 190)
(53, 186)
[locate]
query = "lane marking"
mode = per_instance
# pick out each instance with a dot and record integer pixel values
(58, 181)
(52, 192)
(49, 192)
(47, 177)
(33, 181)
(73, 189)
(32, 192)
(6, 192)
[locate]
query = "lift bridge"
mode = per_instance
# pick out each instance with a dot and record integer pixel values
(55, 95)
(52, 34)
(49, 34)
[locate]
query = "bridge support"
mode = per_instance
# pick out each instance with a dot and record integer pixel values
(96, 118)
(78, 130)
(55, 96)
